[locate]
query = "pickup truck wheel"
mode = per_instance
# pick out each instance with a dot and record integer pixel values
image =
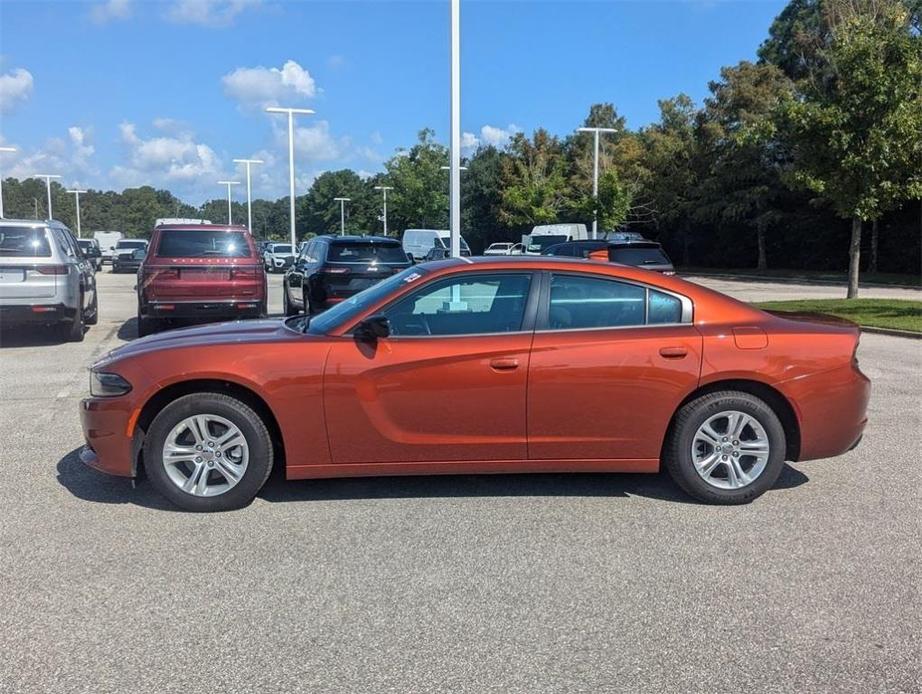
(208, 452)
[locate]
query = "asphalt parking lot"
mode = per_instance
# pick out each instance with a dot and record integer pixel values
(542, 583)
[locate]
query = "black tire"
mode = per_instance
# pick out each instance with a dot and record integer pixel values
(309, 308)
(286, 304)
(72, 331)
(677, 453)
(147, 326)
(239, 413)
(93, 317)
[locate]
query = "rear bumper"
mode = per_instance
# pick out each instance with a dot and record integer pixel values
(36, 313)
(235, 308)
(832, 411)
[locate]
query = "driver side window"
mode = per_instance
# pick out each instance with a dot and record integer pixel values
(469, 305)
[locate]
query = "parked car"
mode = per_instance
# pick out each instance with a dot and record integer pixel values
(129, 262)
(499, 249)
(107, 241)
(464, 366)
(45, 278)
(443, 253)
(418, 242)
(333, 268)
(123, 258)
(639, 253)
(91, 252)
(200, 272)
(544, 236)
(278, 257)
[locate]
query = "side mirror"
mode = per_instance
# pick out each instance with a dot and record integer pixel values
(373, 328)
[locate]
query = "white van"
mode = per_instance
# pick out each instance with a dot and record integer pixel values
(107, 241)
(418, 242)
(544, 236)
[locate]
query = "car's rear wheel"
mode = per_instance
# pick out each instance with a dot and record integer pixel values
(287, 306)
(147, 326)
(93, 317)
(208, 452)
(726, 447)
(72, 330)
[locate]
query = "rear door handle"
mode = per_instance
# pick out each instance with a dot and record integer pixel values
(504, 364)
(673, 352)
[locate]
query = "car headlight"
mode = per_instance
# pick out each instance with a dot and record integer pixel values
(107, 385)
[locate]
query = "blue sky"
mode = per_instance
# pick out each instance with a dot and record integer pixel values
(119, 93)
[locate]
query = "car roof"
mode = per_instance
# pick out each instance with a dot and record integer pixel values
(201, 227)
(352, 238)
(32, 223)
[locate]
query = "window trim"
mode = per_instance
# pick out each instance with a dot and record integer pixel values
(529, 317)
(544, 307)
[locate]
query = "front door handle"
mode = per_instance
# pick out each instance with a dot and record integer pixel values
(673, 352)
(504, 364)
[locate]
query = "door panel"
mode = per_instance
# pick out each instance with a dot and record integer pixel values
(608, 393)
(427, 399)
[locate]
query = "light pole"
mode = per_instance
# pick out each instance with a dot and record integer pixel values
(48, 178)
(77, 196)
(455, 173)
(230, 216)
(342, 214)
(248, 162)
(3, 149)
(291, 159)
(595, 174)
(384, 190)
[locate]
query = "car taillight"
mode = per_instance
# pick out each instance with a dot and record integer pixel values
(337, 270)
(51, 269)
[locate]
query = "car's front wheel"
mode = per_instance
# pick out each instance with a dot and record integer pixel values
(726, 447)
(208, 452)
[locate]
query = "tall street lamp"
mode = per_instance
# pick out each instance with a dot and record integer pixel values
(77, 194)
(455, 152)
(3, 149)
(48, 178)
(230, 216)
(342, 214)
(384, 190)
(595, 174)
(291, 159)
(248, 162)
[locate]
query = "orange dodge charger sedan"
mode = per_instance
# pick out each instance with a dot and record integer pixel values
(483, 365)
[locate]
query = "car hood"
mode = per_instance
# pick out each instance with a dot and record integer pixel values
(235, 332)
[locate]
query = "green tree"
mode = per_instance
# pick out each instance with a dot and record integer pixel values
(318, 212)
(534, 180)
(420, 195)
(481, 198)
(854, 140)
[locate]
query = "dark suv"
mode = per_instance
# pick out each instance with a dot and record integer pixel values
(332, 268)
(638, 252)
(200, 271)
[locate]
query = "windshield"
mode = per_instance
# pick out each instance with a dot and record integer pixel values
(539, 243)
(131, 244)
(446, 242)
(28, 242)
(178, 243)
(652, 255)
(353, 306)
(281, 248)
(366, 252)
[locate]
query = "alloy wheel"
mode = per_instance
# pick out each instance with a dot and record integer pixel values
(205, 455)
(730, 450)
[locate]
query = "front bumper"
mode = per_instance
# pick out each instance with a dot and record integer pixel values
(109, 448)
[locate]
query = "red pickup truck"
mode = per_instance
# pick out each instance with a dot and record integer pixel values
(200, 271)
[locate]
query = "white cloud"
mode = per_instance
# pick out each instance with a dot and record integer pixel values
(177, 159)
(313, 142)
(261, 86)
(489, 135)
(211, 13)
(70, 157)
(15, 87)
(111, 10)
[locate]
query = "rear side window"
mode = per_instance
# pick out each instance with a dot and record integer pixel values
(131, 244)
(639, 256)
(366, 252)
(28, 242)
(177, 243)
(588, 302)
(663, 308)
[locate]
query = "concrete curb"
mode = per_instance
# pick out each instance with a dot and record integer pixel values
(890, 331)
(794, 280)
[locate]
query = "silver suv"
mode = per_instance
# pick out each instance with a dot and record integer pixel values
(45, 278)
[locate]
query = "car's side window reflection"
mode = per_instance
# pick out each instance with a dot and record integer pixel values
(663, 308)
(489, 303)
